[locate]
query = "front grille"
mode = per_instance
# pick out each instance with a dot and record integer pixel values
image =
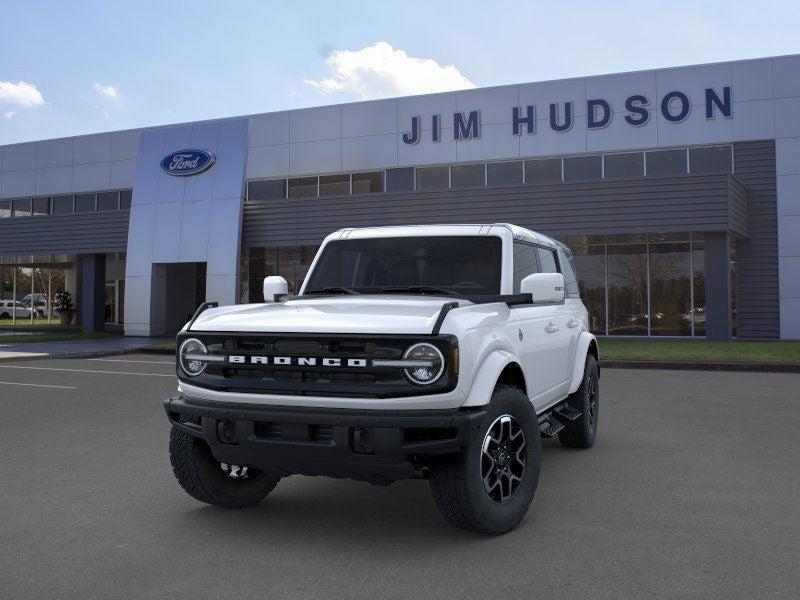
(304, 379)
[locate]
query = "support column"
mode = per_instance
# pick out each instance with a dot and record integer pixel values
(718, 286)
(93, 289)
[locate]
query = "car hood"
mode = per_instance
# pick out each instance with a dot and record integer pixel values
(391, 314)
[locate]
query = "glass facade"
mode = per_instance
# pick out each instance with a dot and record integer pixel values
(38, 291)
(290, 262)
(642, 285)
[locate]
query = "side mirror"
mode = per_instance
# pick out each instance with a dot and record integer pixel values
(274, 287)
(545, 288)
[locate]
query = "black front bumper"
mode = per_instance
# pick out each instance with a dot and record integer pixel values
(375, 446)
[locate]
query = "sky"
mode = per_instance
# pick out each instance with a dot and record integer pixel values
(85, 66)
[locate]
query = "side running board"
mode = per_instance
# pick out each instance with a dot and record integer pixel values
(553, 421)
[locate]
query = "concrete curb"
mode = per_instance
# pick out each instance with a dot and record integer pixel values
(701, 366)
(88, 354)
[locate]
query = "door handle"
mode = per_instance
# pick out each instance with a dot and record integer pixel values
(572, 323)
(551, 327)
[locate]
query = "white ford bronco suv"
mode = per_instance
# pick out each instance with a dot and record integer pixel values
(435, 351)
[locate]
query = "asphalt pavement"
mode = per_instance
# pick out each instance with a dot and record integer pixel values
(692, 491)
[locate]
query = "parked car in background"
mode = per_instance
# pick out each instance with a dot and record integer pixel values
(14, 308)
(39, 304)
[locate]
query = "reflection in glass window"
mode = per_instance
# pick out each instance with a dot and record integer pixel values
(41, 206)
(108, 201)
(712, 159)
(547, 170)
(62, 205)
(525, 263)
(699, 284)
(400, 180)
(590, 267)
(433, 178)
(547, 260)
(5, 209)
(580, 168)
(504, 173)
(666, 162)
(270, 189)
(468, 175)
(334, 185)
(22, 207)
(670, 295)
(368, 183)
(303, 187)
(629, 164)
(125, 199)
(84, 203)
(627, 289)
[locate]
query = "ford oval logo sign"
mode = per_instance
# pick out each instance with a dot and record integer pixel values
(187, 162)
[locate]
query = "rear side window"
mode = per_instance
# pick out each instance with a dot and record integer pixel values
(570, 275)
(547, 260)
(525, 263)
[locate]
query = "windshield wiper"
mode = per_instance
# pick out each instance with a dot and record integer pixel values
(420, 289)
(333, 290)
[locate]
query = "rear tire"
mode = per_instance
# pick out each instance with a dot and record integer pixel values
(204, 478)
(582, 432)
(475, 489)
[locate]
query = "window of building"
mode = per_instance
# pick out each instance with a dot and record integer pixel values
(368, 183)
(462, 176)
(400, 180)
(334, 185)
(504, 173)
(666, 162)
(579, 168)
(433, 178)
(125, 199)
(698, 284)
(41, 206)
(5, 209)
(270, 189)
(22, 207)
(84, 203)
(547, 170)
(547, 260)
(627, 289)
(290, 262)
(62, 205)
(590, 267)
(629, 164)
(670, 289)
(525, 263)
(107, 201)
(303, 187)
(711, 159)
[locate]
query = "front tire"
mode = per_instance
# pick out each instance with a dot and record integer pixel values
(489, 486)
(582, 432)
(206, 479)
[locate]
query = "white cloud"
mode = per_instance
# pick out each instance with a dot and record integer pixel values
(10, 114)
(380, 71)
(20, 93)
(109, 91)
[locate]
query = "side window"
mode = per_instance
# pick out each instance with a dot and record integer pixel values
(547, 260)
(570, 276)
(525, 262)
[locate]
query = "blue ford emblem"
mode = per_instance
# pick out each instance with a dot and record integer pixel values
(187, 162)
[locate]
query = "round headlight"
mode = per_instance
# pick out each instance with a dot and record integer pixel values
(191, 348)
(425, 353)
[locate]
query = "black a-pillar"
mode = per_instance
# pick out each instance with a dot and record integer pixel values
(93, 290)
(718, 286)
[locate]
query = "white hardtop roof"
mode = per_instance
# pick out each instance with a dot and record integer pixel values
(519, 233)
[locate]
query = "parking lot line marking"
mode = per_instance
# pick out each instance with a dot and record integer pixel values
(86, 371)
(61, 387)
(149, 362)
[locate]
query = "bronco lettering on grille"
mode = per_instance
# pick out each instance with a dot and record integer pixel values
(301, 361)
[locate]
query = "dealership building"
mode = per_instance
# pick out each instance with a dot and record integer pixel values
(678, 191)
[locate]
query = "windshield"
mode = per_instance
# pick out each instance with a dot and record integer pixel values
(467, 265)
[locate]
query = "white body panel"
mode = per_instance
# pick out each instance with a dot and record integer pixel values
(541, 338)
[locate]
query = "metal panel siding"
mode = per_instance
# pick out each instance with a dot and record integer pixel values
(739, 207)
(75, 233)
(757, 257)
(696, 203)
